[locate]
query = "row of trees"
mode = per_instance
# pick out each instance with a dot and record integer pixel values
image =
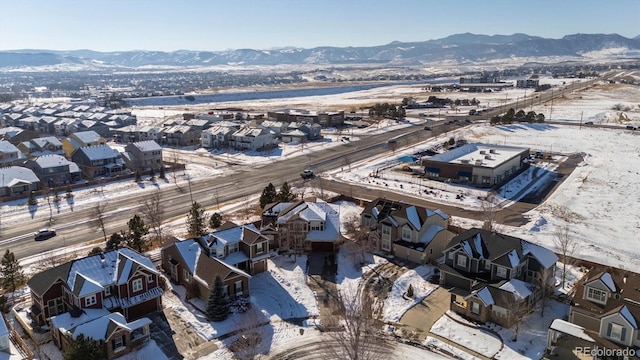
(270, 195)
(387, 110)
(520, 116)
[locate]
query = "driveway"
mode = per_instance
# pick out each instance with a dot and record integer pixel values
(423, 315)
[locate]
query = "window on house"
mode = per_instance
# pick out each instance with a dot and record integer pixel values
(616, 331)
(498, 311)
(451, 255)
(55, 306)
(406, 233)
(90, 300)
(137, 285)
(149, 279)
(186, 276)
(597, 295)
(107, 291)
(233, 248)
(475, 308)
(487, 265)
(118, 344)
(225, 290)
(462, 261)
(239, 288)
(259, 247)
(316, 225)
(385, 244)
(138, 333)
(501, 272)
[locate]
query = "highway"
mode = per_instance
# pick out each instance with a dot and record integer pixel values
(75, 227)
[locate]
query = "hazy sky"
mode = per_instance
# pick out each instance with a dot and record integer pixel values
(111, 25)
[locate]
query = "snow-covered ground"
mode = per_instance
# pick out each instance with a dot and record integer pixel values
(397, 301)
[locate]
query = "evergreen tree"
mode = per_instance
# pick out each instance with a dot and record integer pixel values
(32, 199)
(285, 193)
(152, 174)
(410, 291)
(115, 241)
(135, 238)
(84, 348)
(95, 251)
(11, 271)
(196, 220)
(269, 195)
(162, 172)
(215, 220)
(218, 304)
(137, 178)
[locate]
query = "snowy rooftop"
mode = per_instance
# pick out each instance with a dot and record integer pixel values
(148, 145)
(431, 232)
(66, 321)
(570, 329)
(479, 154)
(100, 152)
(520, 289)
(9, 175)
(229, 236)
(87, 137)
(101, 273)
(189, 250)
(47, 161)
(7, 147)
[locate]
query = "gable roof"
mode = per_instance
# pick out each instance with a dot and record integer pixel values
(86, 137)
(501, 249)
(207, 268)
(384, 209)
(10, 175)
(103, 327)
(99, 152)
(83, 276)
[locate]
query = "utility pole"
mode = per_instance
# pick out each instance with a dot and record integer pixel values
(551, 110)
(581, 113)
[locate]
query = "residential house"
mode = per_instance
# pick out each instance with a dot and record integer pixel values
(11, 119)
(41, 146)
(81, 139)
(293, 136)
(253, 138)
(277, 127)
(199, 124)
(99, 160)
(406, 231)
(607, 304)
(54, 170)
(119, 280)
(113, 333)
(241, 246)
(217, 136)
(64, 125)
(495, 277)
(187, 263)
(10, 154)
(311, 130)
(180, 135)
(143, 156)
(304, 225)
(7, 133)
(17, 180)
(29, 123)
(92, 125)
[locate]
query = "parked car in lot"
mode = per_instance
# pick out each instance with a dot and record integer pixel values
(44, 234)
(589, 123)
(427, 128)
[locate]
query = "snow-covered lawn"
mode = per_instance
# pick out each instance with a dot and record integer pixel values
(468, 336)
(282, 291)
(397, 303)
(351, 275)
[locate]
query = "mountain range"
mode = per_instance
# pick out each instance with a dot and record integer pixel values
(455, 49)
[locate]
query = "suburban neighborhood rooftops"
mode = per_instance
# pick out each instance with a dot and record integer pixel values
(67, 321)
(570, 329)
(189, 250)
(87, 137)
(148, 145)
(99, 152)
(47, 161)
(9, 175)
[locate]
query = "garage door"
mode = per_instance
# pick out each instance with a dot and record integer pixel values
(322, 246)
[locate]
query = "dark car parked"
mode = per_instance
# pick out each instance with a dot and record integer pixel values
(44, 234)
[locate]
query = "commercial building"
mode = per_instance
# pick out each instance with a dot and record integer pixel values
(477, 164)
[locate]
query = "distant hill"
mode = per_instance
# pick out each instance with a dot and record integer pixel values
(459, 48)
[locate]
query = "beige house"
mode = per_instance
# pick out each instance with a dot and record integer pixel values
(407, 231)
(607, 304)
(81, 139)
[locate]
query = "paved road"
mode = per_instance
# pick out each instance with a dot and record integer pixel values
(77, 227)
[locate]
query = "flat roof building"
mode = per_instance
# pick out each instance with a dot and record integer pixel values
(476, 164)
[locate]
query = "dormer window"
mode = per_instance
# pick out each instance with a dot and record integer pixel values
(406, 233)
(462, 261)
(501, 272)
(90, 300)
(597, 295)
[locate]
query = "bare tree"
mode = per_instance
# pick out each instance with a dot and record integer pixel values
(347, 161)
(252, 326)
(153, 210)
(543, 278)
(517, 311)
(174, 159)
(359, 237)
(566, 245)
(490, 210)
(360, 337)
(99, 217)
